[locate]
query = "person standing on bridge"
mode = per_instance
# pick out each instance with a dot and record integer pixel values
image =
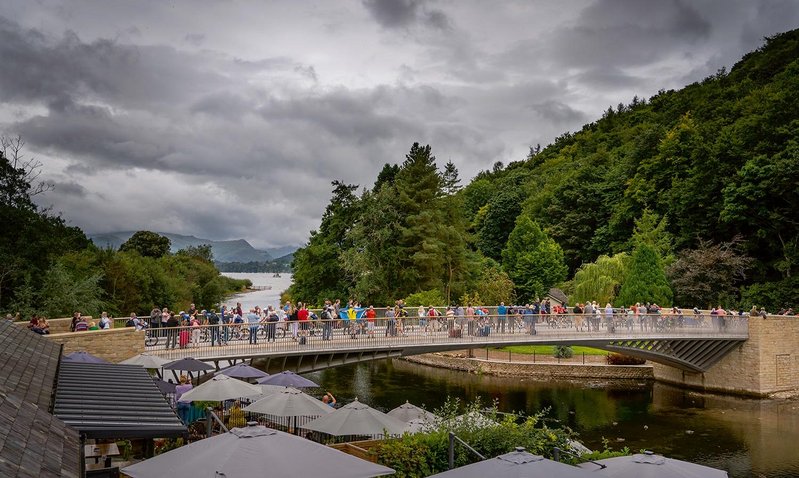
(502, 317)
(252, 321)
(155, 320)
(327, 321)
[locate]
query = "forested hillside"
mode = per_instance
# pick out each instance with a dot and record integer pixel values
(701, 184)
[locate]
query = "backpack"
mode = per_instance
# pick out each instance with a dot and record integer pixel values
(130, 323)
(213, 319)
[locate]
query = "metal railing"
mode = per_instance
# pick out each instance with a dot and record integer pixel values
(300, 337)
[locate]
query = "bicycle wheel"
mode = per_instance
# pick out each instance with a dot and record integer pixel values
(280, 332)
(150, 340)
(204, 335)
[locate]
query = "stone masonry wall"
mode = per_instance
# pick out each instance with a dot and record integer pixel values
(539, 370)
(113, 345)
(767, 363)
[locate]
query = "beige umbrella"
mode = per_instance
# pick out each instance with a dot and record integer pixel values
(219, 388)
(255, 451)
(357, 418)
(649, 465)
(289, 402)
(408, 411)
(147, 361)
(516, 464)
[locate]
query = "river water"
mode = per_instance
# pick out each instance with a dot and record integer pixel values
(748, 438)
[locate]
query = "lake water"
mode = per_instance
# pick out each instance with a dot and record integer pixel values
(261, 298)
(748, 438)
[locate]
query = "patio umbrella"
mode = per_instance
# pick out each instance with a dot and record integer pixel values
(219, 388)
(266, 390)
(82, 357)
(288, 379)
(165, 387)
(289, 402)
(242, 370)
(408, 411)
(649, 465)
(255, 451)
(188, 364)
(146, 360)
(516, 464)
(357, 418)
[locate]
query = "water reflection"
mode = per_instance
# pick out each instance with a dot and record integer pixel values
(744, 437)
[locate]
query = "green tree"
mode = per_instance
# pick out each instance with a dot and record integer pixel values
(147, 244)
(600, 280)
(319, 273)
(495, 221)
(533, 260)
(202, 252)
(646, 280)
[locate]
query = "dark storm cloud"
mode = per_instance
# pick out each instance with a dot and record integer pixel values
(70, 188)
(405, 13)
(608, 78)
(558, 112)
(629, 32)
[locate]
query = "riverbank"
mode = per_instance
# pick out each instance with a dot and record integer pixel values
(594, 367)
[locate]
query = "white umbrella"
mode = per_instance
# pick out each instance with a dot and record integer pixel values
(219, 388)
(289, 402)
(649, 465)
(266, 390)
(408, 411)
(357, 418)
(255, 451)
(516, 464)
(147, 361)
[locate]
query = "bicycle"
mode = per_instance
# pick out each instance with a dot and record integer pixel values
(150, 338)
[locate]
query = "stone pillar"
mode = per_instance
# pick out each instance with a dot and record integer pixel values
(766, 364)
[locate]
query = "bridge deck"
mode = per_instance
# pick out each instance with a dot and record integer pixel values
(692, 347)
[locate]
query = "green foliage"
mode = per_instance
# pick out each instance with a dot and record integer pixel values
(495, 221)
(202, 252)
(425, 298)
(493, 286)
(562, 351)
(147, 244)
(488, 432)
(600, 280)
(646, 280)
(533, 261)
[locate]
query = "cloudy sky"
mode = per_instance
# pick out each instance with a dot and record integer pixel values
(228, 119)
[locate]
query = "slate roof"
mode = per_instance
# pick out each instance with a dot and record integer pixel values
(113, 401)
(32, 441)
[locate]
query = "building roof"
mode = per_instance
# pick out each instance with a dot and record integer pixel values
(32, 441)
(113, 401)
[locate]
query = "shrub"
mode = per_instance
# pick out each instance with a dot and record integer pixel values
(562, 351)
(621, 359)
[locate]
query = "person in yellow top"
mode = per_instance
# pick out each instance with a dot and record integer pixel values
(352, 316)
(236, 418)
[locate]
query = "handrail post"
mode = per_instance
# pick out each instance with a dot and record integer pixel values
(451, 451)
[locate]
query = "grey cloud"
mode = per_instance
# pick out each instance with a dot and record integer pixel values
(194, 39)
(608, 78)
(629, 32)
(405, 13)
(557, 112)
(70, 188)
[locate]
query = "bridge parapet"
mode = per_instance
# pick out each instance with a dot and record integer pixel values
(321, 344)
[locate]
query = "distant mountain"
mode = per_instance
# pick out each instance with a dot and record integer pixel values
(238, 250)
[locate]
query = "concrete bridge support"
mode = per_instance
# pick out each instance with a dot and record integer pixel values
(766, 364)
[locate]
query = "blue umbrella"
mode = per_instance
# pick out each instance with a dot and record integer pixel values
(82, 357)
(288, 379)
(242, 370)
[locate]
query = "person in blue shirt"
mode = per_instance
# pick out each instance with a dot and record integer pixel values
(502, 317)
(253, 320)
